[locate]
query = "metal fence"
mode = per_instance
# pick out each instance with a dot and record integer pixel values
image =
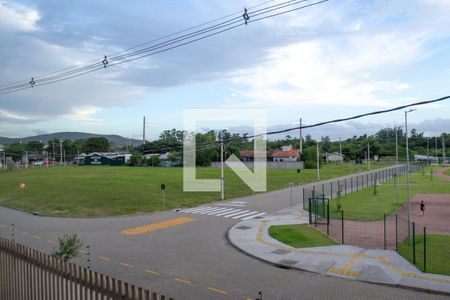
(27, 274)
(340, 187)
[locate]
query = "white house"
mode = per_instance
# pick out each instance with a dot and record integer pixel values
(333, 157)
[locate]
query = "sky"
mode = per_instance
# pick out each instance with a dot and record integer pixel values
(333, 60)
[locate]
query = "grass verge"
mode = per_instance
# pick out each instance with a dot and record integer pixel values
(438, 253)
(300, 236)
(364, 205)
(110, 191)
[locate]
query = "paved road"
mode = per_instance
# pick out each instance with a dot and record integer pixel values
(192, 260)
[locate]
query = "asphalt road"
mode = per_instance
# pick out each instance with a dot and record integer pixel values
(193, 260)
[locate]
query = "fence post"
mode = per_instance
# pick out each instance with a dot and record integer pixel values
(414, 242)
(384, 215)
(357, 182)
(424, 249)
(342, 219)
(396, 232)
(345, 186)
(331, 190)
(328, 217)
(309, 211)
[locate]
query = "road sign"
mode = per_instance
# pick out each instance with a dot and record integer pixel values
(163, 187)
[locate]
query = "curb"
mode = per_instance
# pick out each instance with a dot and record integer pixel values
(289, 267)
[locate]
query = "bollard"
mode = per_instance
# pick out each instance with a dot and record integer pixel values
(328, 217)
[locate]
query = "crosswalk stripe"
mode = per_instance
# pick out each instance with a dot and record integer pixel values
(203, 210)
(218, 212)
(234, 210)
(234, 214)
(213, 210)
(246, 214)
(195, 209)
(258, 215)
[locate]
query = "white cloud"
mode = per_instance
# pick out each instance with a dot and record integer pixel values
(359, 64)
(83, 113)
(12, 116)
(18, 17)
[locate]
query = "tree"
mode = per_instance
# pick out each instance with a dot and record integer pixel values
(136, 159)
(69, 247)
(16, 151)
(96, 144)
(35, 146)
(153, 160)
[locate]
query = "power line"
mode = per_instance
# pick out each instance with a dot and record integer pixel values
(164, 46)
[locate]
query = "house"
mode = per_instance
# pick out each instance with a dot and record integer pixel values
(249, 155)
(333, 157)
(106, 158)
(286, 153)
(431, 159)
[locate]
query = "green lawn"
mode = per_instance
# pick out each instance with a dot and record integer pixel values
(103, 190)
(365, 206)
(300, 236)
(438, 253)
(447, 172)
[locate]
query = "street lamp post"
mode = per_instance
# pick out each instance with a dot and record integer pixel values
(407, 176)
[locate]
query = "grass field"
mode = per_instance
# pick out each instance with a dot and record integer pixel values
(365, 206)
(447, 172)
(103, 190)
(438, 253)
(300, 236)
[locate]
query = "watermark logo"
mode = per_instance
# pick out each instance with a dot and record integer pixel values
(255, 179)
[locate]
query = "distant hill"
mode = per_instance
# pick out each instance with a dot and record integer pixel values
(73, 136)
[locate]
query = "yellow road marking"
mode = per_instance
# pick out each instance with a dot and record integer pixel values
(249, 298)
(24, 233)
(183, 281)
(126, 265)
(156, 226)
(216, 290)
(51, 242)
(36, 237)
(152, 272)
(104, 258)
(343, 272)
(352, 261)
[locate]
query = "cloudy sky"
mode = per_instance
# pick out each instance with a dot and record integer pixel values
(333, 60)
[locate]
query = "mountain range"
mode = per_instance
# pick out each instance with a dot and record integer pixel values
(73, 136)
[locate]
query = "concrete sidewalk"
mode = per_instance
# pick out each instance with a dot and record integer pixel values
(370, 265)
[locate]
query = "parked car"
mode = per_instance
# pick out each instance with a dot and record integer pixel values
(47, 162)
(38, 163)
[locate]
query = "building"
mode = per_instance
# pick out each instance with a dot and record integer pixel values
(105, 159)
(333, 157)
(249, 155)
(286, 153)
(429, 158)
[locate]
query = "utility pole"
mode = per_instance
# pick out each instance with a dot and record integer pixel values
(396, 145)
(318, 162)
(428, 152)
(60, 152)
(301, 138)
(407, 175)
(222, 192)
(4, 160)
(368, 155)
(435, 146)
(143, 132)
(443, 148)
(26, 159)
(53, 158)
(340, 147)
